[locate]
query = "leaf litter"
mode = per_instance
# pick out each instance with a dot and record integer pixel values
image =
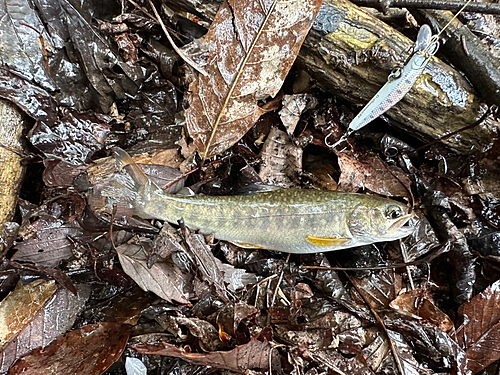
(197, 302)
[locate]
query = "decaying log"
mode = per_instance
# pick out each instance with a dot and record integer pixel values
(351, 53)
(11, 167)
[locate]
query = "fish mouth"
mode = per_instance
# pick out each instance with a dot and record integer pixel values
(399, 225)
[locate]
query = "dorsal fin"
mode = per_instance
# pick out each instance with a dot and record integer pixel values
(124, 161)
(256, 188)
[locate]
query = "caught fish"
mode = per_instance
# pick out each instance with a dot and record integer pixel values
(398, 83)
(288, 220)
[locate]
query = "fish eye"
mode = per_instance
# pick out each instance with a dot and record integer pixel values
(393, 212)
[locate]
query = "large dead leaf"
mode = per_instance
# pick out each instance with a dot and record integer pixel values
(53, 319)
(89, 350)
(252, 46)
(253, 355)
(163, 279)
(481, 330)
(21, 305)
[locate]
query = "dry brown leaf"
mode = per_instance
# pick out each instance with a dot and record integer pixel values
(89, 350)
(281, 160)
(163, 279)
(480, 334)
(55, 318)
(253, 355)
(21, 305)
(293, 107)
(252, 46)
(368, 171)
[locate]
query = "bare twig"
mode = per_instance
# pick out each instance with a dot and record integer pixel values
(185, 57)
(381, 322)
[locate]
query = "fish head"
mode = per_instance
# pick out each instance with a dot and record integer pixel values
(379, 219)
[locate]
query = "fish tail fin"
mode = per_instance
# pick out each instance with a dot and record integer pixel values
(141, 185)
(124, 160)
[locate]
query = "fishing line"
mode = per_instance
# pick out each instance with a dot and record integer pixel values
(435, 38)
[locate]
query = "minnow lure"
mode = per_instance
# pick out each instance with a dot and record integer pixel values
(398, 83)
(288, 220)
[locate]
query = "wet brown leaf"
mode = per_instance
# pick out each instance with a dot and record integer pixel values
(164, 279)
(380, 288)
(58, 173)
(481, 330)
(416, 302)
(89, 350)
(231, 315)
(126, 308)
(338, 363)
(210, 267)
(252, 46)
(253, 355)
(405, 356)
(368, 171)
(53, 319)
(46, 242)
(21, 305)
(206, 333)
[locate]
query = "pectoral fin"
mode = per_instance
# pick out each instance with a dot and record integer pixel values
(246, 245)
(327, 241)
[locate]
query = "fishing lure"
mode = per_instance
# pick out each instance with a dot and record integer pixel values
(398, 83)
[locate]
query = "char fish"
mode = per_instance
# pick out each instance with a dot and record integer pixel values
(289, 220)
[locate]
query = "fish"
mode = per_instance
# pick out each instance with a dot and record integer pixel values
(298, 221)
(398, 84)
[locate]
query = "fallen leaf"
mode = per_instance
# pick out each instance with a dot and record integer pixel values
(480, 334)
(21, 305)
(53, 319)
(235, 278)
(338, 363)
(207, 264)
(89, 350)
(46, 243)
(252, 355)
(206, 333)
(416, 302)
(368, 171)
(58, 173)
(164, 279)
(20, 43)
(232, 314)
(281, 160)
(252, 46)
(67, 134)
(293, 107)
(126, 307)
(406, 359)
(379, 288)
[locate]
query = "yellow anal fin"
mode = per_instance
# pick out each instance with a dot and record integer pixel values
(247, 245)
(327, 241)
